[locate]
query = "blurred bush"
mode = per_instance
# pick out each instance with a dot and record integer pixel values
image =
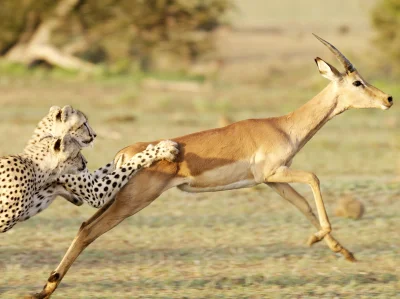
(386, 20)
(80, 33)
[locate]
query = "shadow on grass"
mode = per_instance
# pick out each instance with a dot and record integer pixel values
(224, 282)
(34, 258)
(260, 280)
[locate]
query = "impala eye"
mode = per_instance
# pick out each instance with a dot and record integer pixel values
(357, 83)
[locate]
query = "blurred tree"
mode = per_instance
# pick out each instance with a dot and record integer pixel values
(386, 20)
(37, 44)
(76, 34)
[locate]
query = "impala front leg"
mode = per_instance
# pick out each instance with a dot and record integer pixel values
(291, 195)
(287, 175)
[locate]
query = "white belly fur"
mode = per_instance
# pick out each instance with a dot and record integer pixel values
(233, 176)
(236, 185)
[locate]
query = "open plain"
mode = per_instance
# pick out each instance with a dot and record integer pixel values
(237, 244)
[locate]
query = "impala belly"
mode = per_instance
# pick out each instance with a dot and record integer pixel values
(233, 176)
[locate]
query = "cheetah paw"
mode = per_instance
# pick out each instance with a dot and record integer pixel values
(167, 150)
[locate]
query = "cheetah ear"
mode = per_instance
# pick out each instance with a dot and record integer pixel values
(56, 113)
(57, 145)
(53, 108)
(66, 111)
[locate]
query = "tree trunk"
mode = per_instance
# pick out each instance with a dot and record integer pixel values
(37, 45)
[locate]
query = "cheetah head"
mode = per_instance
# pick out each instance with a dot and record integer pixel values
(68, 120)
(68, 156)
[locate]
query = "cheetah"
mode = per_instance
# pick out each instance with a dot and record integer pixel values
(30, 181)
(57, 123)
(22, 176)
(96, 191)
(60, 121)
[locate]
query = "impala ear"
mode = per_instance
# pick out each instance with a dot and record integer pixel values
(326, 70)
(66, 112)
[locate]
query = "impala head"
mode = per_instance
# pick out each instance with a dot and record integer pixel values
(353, 90)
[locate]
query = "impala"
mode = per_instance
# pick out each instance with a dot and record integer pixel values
(243, 154)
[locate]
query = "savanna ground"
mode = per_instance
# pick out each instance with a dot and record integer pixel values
(236, 244)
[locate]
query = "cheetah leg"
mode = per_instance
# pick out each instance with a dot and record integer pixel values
(97, 192)
(291, 195)
(104, 170)
(72, 198)
(75, 199)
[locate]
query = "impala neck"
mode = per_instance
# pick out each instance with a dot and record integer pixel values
(303, 123)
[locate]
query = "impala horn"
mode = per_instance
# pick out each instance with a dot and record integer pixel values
(343, 60)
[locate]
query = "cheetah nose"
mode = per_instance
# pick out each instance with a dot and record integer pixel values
(94, 135)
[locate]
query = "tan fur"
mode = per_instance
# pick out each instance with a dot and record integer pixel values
(242, 154)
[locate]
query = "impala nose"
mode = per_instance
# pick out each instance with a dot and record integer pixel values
(390, 99)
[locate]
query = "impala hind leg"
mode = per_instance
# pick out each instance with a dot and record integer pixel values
(291, 195)
(86, 235)
(136, 195)
(105, 221)
(98, 213)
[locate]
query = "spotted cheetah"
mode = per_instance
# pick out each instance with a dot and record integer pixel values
(56, 189)
(24, 175)
(57, 123)
(96, 191)
(60, 121)
(30, 181)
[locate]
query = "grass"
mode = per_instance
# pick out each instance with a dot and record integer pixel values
(234, 244)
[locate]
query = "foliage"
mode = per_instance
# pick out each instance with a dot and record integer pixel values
(386, 20)
(114, 30)
(15, 16)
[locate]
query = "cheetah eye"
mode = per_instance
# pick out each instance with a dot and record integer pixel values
(84, 126)
(357, 83)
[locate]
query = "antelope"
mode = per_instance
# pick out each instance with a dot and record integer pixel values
(240, 155)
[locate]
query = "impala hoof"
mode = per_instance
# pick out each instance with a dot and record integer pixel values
(348, 255)
(313, 239)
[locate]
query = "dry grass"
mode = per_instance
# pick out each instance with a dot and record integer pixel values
(220, 245)
(236, 244)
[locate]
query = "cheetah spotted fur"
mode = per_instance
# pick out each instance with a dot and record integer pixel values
(97, 191)
(61, 121)
(23, 177)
